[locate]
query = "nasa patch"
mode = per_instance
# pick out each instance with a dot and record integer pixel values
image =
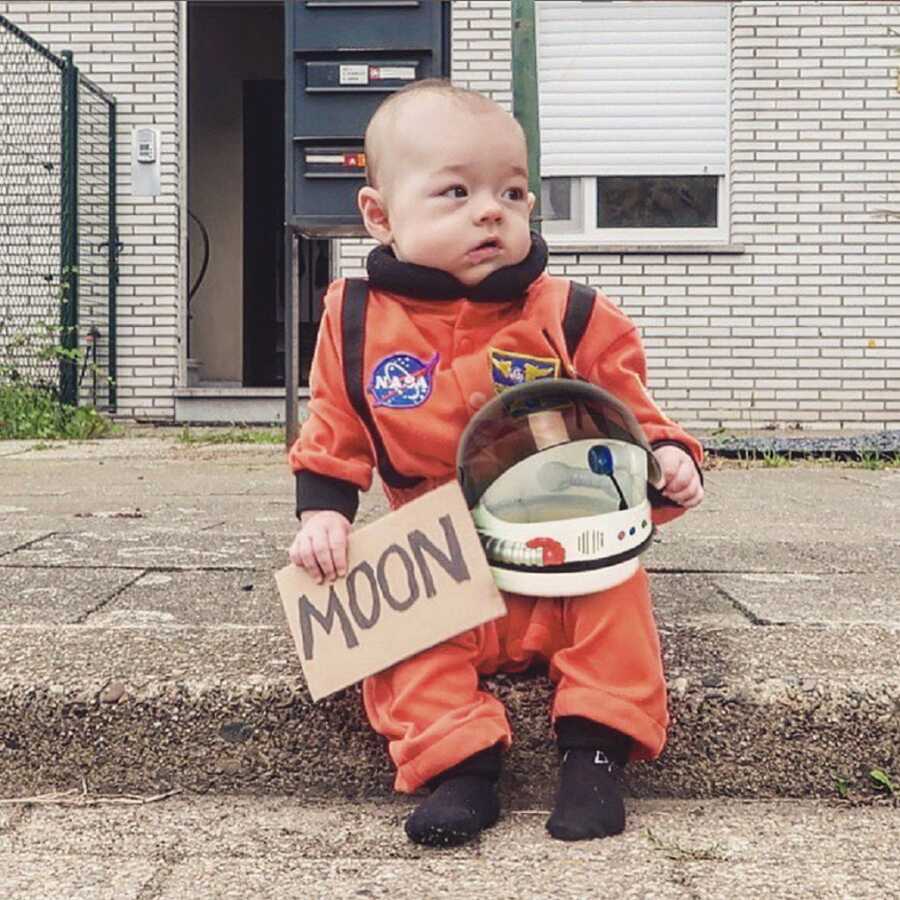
(402, 381)
(509, 369)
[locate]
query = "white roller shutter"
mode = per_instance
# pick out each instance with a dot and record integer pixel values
(633, 88)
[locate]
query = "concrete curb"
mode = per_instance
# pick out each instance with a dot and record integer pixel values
(224, 709)
(142, 643)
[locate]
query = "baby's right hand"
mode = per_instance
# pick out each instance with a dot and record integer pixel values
(321, 544)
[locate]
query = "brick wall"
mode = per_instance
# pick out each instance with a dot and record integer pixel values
(802, 327)
(813, 306)
(131, 50)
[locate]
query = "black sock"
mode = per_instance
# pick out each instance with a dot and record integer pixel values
(463, 802)
(589, 801)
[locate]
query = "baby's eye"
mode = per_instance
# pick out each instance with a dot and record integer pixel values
(514, 194)
(457, 192)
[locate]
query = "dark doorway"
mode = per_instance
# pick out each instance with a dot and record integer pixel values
(263, 229)
(263, 134)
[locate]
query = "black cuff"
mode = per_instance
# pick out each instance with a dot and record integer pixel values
(485, 763)
(316, 491)
(578, 733)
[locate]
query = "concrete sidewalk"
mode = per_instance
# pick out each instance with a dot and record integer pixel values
(260, 848)
(142, 643)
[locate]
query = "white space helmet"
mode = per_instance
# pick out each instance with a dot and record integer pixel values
(555, 474)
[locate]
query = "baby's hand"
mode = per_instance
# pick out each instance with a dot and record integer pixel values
(321, 544)
(680, 479)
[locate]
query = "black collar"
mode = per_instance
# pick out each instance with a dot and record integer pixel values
(387, 273)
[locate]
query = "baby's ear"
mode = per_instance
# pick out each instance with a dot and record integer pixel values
(530, 203)
(374, 214)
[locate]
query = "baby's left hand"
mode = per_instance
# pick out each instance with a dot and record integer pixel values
(680, 479)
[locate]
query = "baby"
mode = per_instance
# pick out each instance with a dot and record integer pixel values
(456, 285)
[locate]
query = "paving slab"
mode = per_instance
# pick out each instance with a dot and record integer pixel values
(882, 556)
(251, 598)
(862, 879)
(796, 503)
(682, 553)
(10, 816)
(435, 877)
(137, 451)
(163, 548)
(779, 599)
(195, 598)
(13, 540)
(232, 513)
(161, 477)
(37, 878)
(257, 827)
(42, 596)
(680, 600)
(225, 709)
(203, 847)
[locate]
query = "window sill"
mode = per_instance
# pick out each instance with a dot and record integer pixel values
(671, 248)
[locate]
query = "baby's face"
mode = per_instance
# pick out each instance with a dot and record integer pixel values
(454, 182)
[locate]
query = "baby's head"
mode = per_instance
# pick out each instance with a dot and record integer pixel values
(448, 181)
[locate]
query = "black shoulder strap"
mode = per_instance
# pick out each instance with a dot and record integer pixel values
(353, 339)
(579, 307)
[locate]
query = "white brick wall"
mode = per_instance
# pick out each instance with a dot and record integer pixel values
(130, 48)
(803, 327)
(814, 156)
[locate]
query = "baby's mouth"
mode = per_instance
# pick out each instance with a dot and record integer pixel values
(487, 249)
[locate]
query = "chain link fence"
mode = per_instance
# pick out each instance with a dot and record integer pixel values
(58, 238)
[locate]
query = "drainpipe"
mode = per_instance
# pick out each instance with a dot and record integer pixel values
(525, 94)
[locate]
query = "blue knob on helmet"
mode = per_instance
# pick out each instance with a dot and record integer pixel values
(600, 459)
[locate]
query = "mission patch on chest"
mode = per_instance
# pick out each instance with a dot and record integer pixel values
(509, 369)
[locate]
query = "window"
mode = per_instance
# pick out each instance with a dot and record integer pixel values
(634, 105)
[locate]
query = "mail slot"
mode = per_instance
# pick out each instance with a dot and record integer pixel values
(338, 97)
(348, 77)
(364, 24)
(334, 162)
(343, 57)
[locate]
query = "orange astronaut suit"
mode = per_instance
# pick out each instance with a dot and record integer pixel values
(394, 389)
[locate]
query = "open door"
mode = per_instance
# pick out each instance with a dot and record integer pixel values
(263, 232)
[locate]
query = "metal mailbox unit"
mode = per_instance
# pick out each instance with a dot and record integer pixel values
(342, 58)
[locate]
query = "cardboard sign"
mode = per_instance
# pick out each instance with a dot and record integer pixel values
(415, 578)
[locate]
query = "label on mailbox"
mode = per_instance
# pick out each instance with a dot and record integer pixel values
(384, 73)
(354, 74)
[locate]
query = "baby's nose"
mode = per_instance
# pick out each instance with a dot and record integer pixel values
(489, 210)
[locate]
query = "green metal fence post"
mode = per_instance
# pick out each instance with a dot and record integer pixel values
(525, 94)
(68, 236)
(113, 259)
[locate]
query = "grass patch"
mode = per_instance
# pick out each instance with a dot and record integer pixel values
(874, 461)
(773, 460)
(769, 459)
(234, 435)
(28, 413)
(882, 781)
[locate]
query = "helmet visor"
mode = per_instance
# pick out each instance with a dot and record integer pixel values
(532, 418)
